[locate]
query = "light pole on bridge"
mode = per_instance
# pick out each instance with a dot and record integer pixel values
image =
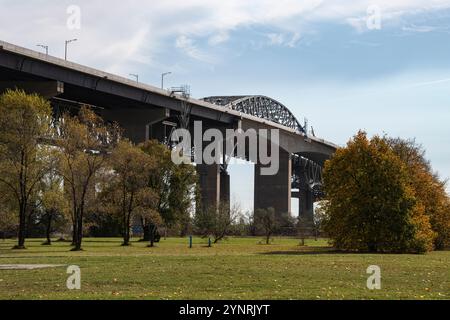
(65, 49)
(162, 78)
(136, 76)
(43, 46)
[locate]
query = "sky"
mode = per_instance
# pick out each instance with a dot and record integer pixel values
(380, 66)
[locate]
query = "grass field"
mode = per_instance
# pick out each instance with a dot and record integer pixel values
(239, 268)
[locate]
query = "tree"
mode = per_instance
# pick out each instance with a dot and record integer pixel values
(266, 222)
(370, 204)
(154, 221)
(304, 228)
(287, 224)
(216, 221)
(85, 142)
(441, 224)
(53, 204)
(184, 192)
(8, 215)
(204, 221)
(175, 186)
(243, 224)
(429, 191)
(320, 215)
(126, 191)
(25, 122)
(225, 216)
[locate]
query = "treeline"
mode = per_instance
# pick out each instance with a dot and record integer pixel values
(77, 175)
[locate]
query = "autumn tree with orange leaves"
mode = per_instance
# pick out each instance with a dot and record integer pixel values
(429, 190)
(371, 204)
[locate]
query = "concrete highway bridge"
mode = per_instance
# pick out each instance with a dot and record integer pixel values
(146, 112)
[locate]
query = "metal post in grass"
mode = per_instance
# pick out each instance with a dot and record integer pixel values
(209, 243)
(190, 242)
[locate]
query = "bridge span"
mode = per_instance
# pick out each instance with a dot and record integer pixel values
(146, 112)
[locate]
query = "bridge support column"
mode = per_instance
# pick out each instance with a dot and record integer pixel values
(224, 187)
(306, 205)
(274, 191)
(209, 185)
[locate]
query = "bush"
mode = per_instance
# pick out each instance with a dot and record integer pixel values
(371, 205)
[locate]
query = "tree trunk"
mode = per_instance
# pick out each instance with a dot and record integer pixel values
(22, 227)
(152, 235)
(74, 232)
(146, 234)
(79, 232)
(126, 239)
(126, 231)
(49, 230)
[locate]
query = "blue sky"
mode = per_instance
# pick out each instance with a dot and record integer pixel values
(316, 57)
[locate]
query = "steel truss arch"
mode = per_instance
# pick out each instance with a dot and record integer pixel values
(260, 106)
(307, 174)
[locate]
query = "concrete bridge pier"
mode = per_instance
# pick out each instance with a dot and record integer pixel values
(214, 185)
(274, 191)
(306, 204)
(224, 186)
(209, 179)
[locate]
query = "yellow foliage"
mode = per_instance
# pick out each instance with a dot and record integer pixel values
(371, 204)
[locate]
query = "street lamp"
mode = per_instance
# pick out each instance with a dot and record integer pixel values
(45, 47)
(136, 76)
(65, 51)
(162, 78)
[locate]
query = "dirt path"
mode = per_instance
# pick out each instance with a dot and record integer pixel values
(28, 266)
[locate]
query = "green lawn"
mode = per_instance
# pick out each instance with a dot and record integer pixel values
(239, 268)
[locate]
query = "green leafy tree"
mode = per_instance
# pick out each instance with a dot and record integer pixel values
(126, 192)
(204, 221)
(184, 192)
(85, 142)
(320, 215)
(25, 123)
(175, 186)
(370, 204)
(54, 206)
(8, 215)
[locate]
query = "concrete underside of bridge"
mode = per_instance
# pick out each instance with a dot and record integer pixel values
(145, 114)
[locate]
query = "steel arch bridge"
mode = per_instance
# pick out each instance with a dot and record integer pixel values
(259, 106)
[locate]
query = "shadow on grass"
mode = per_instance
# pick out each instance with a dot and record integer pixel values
(305, 251)
(328, 250)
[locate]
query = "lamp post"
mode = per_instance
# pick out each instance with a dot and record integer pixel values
(45, 47)
(136, 76)
(162, 78)
(65, 51)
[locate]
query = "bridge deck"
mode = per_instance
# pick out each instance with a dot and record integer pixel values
(51, 63)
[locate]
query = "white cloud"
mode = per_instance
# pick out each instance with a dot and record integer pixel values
(188, 46)
(117, 35)
(219, 38)
(428, 83)
(294, 40)
(275, 38)
(284, 39)
(421, 29)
